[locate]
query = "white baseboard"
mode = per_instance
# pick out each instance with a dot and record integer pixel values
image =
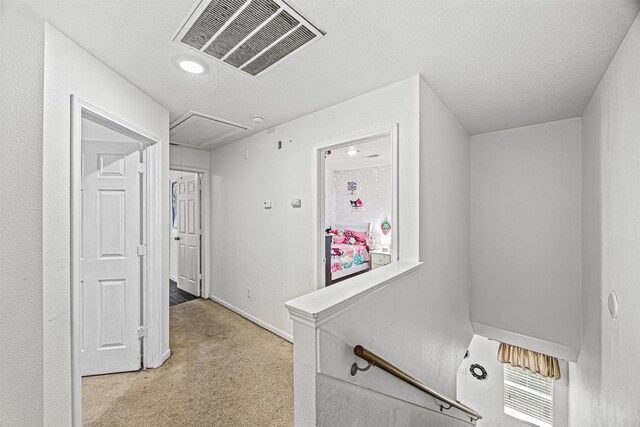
(166, 355)
(175, 279)
(255, 320)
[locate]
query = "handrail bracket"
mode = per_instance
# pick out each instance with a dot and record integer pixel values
(355, 368)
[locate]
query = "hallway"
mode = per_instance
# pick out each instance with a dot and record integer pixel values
(223, 371)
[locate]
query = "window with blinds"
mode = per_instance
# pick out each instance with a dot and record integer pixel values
(528, 396)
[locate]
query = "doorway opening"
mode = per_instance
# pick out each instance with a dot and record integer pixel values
(357, 205)
(115, 250)
(186, 267)
(111, 250)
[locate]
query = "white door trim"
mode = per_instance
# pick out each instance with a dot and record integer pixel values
(319, 183)
(151, 236)
(205, 218)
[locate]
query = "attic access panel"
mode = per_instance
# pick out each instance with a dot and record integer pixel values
(251, 36)
(200, 130)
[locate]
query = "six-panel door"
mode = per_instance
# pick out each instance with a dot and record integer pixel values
(110, 266)
(189, 234)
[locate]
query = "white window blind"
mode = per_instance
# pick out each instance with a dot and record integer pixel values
(528, 396)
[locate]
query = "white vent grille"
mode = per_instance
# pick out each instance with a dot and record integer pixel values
(249, 35)
(206, 25)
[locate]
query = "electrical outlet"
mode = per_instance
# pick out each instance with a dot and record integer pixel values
(249, 294)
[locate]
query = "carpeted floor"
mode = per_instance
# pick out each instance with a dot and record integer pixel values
(223, 371)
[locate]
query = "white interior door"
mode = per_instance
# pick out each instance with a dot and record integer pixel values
(189, 234)
(110, 266)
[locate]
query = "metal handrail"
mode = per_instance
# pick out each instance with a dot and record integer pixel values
(375, 360)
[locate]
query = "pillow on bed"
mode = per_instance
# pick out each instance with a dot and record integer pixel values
(339, 240)
(356, 237)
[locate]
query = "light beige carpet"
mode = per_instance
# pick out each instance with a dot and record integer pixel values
(223, 371)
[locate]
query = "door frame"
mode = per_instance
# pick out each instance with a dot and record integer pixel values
(319, 190)
(151, 265)
(205, 215)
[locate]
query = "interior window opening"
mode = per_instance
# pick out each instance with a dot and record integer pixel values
(358, 208)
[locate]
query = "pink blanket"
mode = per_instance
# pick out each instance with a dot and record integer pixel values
(347, 256)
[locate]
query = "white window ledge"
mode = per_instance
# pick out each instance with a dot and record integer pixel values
(319, 306)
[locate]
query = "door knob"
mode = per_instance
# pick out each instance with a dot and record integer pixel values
(176, 238)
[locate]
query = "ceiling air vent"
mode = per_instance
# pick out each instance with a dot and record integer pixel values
(251, 36)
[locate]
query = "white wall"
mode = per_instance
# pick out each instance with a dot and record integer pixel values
(604, 390)
(487, 396)
(68, 69)
(361, 407)
(444, 239)
(373, 188)
(406, 323)
(181, 157)
(272, 251)
(21, 82)
(526, 235)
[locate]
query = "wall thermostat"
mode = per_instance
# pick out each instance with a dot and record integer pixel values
(267, 204)
(296, 203)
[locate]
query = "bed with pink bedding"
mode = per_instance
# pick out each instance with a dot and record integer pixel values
(344, 257)
(347, 252)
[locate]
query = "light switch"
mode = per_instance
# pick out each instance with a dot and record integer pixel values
(267, 204)
(296, 203)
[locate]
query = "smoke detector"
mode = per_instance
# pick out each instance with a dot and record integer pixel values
(251, 36)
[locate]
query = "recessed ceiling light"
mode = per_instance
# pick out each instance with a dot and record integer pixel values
(257, 118)
(191, 66)
(352, 151)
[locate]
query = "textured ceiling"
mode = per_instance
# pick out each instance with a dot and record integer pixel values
(496, 64)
